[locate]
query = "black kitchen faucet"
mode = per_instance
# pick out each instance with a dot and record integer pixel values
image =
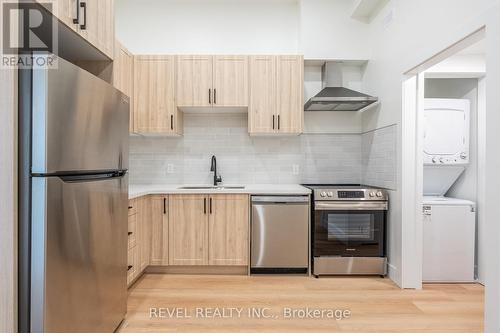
(213, 167)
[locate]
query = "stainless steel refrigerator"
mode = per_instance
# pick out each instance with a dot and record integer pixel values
(73, 160)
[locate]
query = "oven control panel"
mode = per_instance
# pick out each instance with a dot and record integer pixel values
(370, 194)
(351, 194)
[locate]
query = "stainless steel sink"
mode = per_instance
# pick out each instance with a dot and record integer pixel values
(203, 187)
(211, 187)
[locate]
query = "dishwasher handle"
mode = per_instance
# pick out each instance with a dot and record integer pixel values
(280, 199)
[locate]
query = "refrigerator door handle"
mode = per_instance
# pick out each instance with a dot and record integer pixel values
(93, 177)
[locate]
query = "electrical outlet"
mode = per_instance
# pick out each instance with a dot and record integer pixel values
(295, 169)
(170, 168)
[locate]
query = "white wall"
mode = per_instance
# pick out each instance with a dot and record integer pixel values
(328, 32)
(459, 66)
(208, 27)
(492, 165)
(405, 34)
(319, 29)
(8, 200)
(419, 30)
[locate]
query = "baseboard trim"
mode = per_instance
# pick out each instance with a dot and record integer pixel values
(199, 270)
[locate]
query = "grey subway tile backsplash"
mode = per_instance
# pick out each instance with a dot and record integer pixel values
(241, 159)
(379, 157)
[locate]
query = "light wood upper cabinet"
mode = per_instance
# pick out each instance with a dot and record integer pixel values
(97, 24)
(230, 87)
(210, 81)
(188, 230)
(262, 107)
(290, 90)
(154, 95)
(194, 80)
(159, 230)
(67, 11)
(106, 26)
(94, 20)
(276, 95)
(228, 229)
(123, 76)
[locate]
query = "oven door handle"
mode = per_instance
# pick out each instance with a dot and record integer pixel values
(350, 206)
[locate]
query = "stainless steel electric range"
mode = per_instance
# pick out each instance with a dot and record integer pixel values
(349, 225)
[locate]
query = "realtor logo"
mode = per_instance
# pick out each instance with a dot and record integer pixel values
(29, 34)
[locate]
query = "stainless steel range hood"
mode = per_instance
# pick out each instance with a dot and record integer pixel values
(334, 97)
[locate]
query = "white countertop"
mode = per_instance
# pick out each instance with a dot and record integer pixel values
(135, 191)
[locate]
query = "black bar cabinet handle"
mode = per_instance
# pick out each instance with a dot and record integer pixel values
(209, 96)
(164, 206)
(278, 121)
(130, 233)
(210, 205)
(84, 6)
(77, 19)
(215, 96)
(204, 205)
(273, 121)
(171, 121)
(129, 267)
(130, 207)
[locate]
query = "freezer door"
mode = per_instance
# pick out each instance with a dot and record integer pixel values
(79, 122)
(79, 254)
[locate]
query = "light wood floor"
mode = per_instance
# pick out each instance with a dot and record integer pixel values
(377, 305)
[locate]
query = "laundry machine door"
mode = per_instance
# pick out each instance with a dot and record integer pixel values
(449, 243)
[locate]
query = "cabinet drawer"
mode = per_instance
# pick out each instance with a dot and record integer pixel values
(132, 207)
(132, 231)
(133, 264)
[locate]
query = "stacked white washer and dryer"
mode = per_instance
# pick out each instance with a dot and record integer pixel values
(449, 223)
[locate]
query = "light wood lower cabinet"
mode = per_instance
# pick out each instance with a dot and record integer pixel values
(132, 231)
(132, 254)
(228, 229)
(133, 263)
(188, 230)
(159, 230)
(139, 237)
(208, 229)
(144, 231)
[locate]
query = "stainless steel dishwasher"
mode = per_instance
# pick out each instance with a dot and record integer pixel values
(280, 234)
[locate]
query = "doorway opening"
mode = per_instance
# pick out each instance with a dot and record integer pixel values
(443, 124)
